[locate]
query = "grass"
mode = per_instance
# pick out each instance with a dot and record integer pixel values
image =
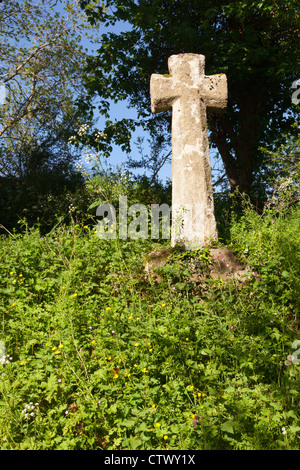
(100, 356)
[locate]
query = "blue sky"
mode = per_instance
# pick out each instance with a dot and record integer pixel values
(122, 110)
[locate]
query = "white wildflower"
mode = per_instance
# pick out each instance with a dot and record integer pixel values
(99, 135)
(72, 139)
(285, 183)
(83, 129)
(26, 412)
(5, 359)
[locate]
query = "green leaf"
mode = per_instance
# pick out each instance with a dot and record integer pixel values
(128, 423)
(113, 408)
(291, 414)
(135, 443)
(277, 406)
(227, 427)
(143, 427)
(294, 429)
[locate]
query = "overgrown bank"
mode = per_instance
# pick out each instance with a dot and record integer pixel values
(100, 356)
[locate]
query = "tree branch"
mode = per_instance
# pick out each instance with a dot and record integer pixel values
(23, 109)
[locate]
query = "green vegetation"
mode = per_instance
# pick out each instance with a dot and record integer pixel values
(100, 349)
(101, 355)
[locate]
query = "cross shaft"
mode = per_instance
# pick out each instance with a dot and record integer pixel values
(190, 93)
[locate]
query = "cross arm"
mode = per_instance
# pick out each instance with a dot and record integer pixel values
(162, 93)
(214, 92)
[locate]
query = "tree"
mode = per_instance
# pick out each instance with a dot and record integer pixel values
(42, 67)
(256, 44)
(42, 64)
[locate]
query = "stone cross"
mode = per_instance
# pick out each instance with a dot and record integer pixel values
(190, 93)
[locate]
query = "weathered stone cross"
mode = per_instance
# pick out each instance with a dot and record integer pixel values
(190, 93)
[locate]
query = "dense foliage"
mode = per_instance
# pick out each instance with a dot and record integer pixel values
(41, 71)
(100, 354)
(256, 44)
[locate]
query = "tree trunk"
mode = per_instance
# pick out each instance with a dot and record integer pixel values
(239, 149)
